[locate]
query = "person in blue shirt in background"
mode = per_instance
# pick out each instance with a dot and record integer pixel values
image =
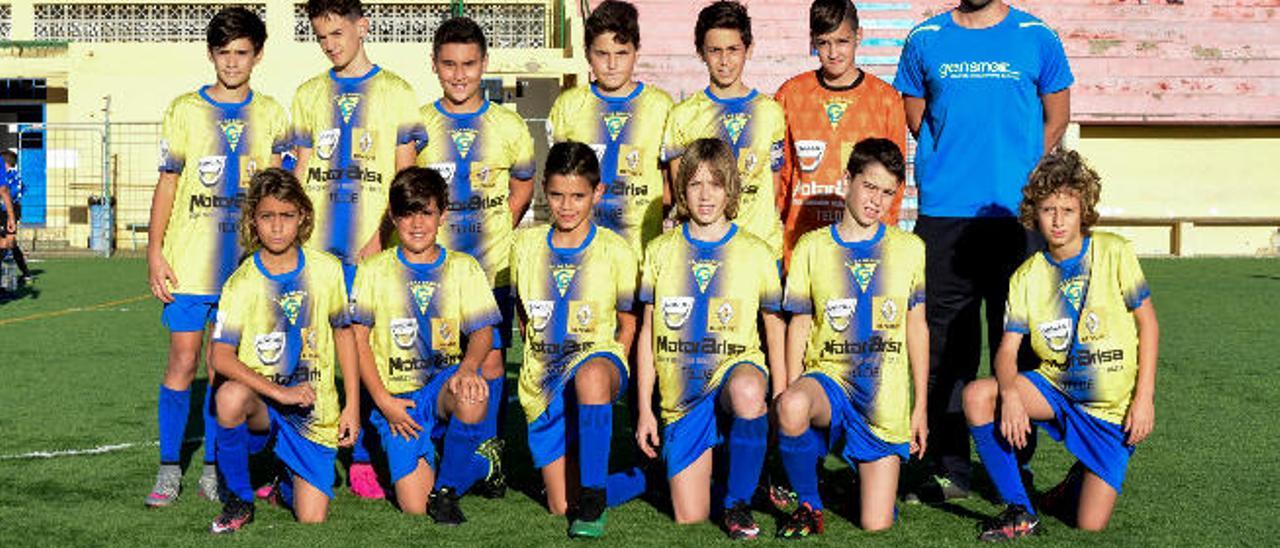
(13, 206)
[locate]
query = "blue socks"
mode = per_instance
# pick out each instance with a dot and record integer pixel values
(456, 464)
(595, 432)
(210, 427)
(622, 487)
(800, 456)
(233, 448)
(496, 401)
(747, 445)
(172, 410)
(1002, 466)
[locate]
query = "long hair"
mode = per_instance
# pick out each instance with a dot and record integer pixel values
(718, 158)
(1062, 171)
(281, 185)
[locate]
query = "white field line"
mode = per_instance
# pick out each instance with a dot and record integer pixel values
(99, 450)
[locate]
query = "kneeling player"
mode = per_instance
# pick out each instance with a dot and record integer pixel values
(576, 282)
(1086, 306)
(704, 286)
(858, 333)
(413, 304)
(281, 318)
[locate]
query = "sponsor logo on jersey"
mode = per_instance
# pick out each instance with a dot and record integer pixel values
(562, 275)
(862, 271)
(365, 142)
(540, 313)
(445, 334)
(165, 158)
(676, 311)
(291, 305)
(422, 293)
(703, 271)
(462, 140)
(734, 125)
(888, 313)
(327, 143)
(875, 345)
(840, 313)
(747, 162)
(614, 122)
(1095, 329)
(708, 345)
(835, 110)
(404, 331)
(583, 320)
(1056, 334)
(445, 169)
(599, 149)
(210, 169)
(480, 175)
(269, 347)
(724, 314)
(629, 161)
(347, 105)
(810, 154)
(233, 130)
(978, 70)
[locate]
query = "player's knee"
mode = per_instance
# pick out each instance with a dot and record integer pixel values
(472, 411)
(231, 398)
(793, 408)
(980, 401)
(747, 395)
(592, 382)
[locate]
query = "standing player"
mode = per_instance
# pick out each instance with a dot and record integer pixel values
(281, 319)
(622, 120)
(750, 122)
(576, 283)
(828, 111)
(858, 334)
(355, 126)
(485, 153)
(705, 286)
(12, 181)
(986, 93)
(413, 306)
(212, 141)
(1086, 307)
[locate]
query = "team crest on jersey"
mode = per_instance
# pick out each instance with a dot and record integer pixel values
(404, 331)
(327, 143)
(724, 314)
(840, 313)
(462, 141)
(835, 110)
(735, 124)
(583, 320)
(888, 313)
(703, 271)
(1073, 289)
(291, 304)
(210, 169)
(614, 122)
(676, 310)
(1056, 334)
(562, 275)
(269, 347)
(233, 130)
(540, 313)
(444, 334)
(862, 270)
(422, 293)
(347, 105)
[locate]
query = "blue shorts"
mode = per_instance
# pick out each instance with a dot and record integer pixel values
(301, 457)
(850, 426)
(1100, 445)
(506, 306)
(402, 453)
(686, 439)
(189, 312)
(548, 436)
(348, 276)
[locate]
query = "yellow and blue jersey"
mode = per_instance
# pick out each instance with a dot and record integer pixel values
(215, 148)
(571, 298)
(282, 328)
(1079, 315)
(706, 299)
(478, 154)
(859, 294)
(419, 314)
(626, 134)
(352, 126)
(755, 128)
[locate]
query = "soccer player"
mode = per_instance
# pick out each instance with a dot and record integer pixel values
(354, 127)
(281, 319)
(828, 111)
(212, 141)
(576, 282)
(858, 335)
(421, 332)
(485, 153)
(1086, 307)
(750, 122)
(622, 120)
(705, 285)
(12, 207)
(986, 93)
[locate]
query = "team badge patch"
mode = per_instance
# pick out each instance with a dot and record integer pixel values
(444, 334)
(703, 271)
(165, 157)
(563, 275)
(404, 331)
(347, 105)
(540, 313)
(233, 130)
(724, 314)
(887, 312)
(422, 293)
(327, 143)
(614, 122)
(269, 347)
(840, 313)
(291, 305)
(462, 141)
(862, 271)
(835, 111)
(676, 310)
(735, 124)
(583, 318)
(1073, 289)
(210, 169)
(1056, 334)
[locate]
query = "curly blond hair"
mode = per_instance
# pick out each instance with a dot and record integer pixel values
(1066, 172)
